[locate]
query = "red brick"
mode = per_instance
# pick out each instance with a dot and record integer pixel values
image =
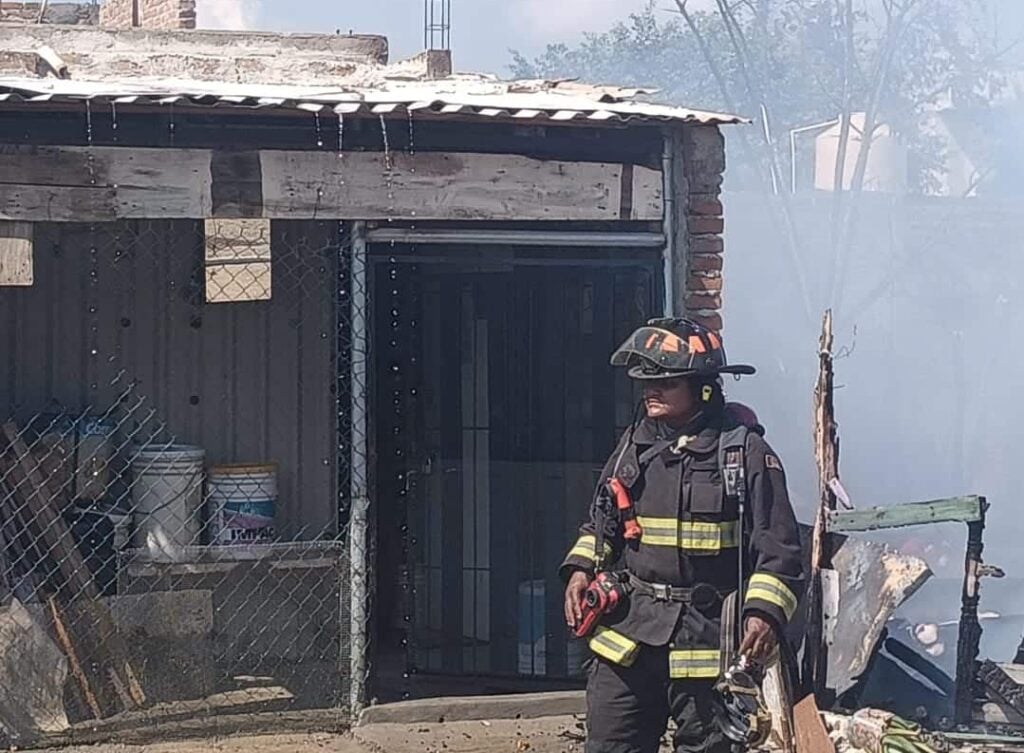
(698, 224)
(706, 244)
(709, 319)
(698, 301)
(706, 263)
(712, 207)
(706, 282)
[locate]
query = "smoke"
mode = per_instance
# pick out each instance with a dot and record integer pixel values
(545, 20)
(233, 15)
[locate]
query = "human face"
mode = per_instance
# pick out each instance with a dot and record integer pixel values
(669, 400)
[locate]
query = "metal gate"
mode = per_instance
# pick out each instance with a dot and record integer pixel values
(496, 408)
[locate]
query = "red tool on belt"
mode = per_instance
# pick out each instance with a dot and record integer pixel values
(602, 596)
(627, 513)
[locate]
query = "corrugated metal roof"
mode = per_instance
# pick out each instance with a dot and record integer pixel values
(462, 95)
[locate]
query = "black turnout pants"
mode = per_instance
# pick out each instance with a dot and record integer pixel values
(628, 708)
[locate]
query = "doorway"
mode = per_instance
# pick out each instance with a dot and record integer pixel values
(495, 411)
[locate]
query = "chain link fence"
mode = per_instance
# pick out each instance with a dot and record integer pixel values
(183, 475)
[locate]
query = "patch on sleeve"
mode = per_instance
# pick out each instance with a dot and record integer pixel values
(628, 474)
(770, 461)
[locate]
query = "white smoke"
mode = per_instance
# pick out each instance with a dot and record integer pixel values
(546, 21)
(233, 15)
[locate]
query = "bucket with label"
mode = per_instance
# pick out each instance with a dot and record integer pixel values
(167, 498)
(241, 502)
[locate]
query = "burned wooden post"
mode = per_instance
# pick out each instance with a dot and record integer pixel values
(826, 455)
(970, 629)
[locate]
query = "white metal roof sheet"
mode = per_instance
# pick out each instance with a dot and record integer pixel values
(471, 95)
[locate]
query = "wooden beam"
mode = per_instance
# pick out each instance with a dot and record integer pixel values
(437, 186)
(101, 184)
(968, 509)
(16, 253)
(43, 514)
(98, 184)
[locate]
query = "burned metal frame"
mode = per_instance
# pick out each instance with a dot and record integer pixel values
(970, 510)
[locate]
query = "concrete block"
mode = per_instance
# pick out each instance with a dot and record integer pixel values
(475, 708)
(164, 614)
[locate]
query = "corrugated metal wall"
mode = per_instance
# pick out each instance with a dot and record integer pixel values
(122, 302)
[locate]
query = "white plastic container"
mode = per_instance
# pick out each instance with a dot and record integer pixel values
(167, 499)
(241, 502)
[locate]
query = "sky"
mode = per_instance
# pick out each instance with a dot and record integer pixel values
(483, 31)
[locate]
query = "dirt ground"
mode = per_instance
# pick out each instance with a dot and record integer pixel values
(549, 735)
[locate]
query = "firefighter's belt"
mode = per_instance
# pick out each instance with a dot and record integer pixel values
(702, 595)
(695, 535)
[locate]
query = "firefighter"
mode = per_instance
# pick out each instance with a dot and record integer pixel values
(689, 467)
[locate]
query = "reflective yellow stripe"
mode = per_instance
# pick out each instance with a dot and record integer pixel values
(585, 547)
(694, 664)
(615, 647)
(696, 535)
(774, 590)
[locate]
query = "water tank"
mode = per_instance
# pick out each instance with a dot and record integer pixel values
(886, 169)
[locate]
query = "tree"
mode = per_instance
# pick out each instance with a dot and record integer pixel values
(788, 63)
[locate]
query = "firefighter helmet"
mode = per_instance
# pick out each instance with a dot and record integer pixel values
(671, 348)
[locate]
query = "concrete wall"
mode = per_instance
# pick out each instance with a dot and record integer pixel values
(95, 54)
(148, 14)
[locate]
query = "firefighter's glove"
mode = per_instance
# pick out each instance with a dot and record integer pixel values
(759, 639)
(577, 586)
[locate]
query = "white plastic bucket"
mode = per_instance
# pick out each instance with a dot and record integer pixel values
(167, 497)
(242, 500)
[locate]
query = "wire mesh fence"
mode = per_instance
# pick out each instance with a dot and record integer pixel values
(182, 460)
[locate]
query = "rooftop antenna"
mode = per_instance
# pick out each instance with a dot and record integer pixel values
(437, 24)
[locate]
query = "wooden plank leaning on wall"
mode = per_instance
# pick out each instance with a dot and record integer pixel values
(100, 184)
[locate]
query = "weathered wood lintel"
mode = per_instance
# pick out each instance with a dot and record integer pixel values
(102, 184)
(969, 509)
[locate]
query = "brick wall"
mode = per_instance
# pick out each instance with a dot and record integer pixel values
(152, 14)
(70, 14)
(703, 159)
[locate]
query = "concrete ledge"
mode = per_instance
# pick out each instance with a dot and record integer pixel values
(96, 41)
(476, 708)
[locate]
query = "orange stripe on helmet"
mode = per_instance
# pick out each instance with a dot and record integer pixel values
(671, 344)
(649, 345)
(696, 344)
(715, 342)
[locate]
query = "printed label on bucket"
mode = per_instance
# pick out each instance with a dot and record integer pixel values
(244, 523)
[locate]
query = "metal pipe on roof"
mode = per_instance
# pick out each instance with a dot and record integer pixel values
(501, 237)
(668, 170)
(792, 147)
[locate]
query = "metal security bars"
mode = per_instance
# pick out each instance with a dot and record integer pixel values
(183, 475)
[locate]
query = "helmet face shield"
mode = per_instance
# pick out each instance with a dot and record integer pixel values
(659, 347)
(657, 352)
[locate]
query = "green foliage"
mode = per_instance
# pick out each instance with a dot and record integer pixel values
(805, 60)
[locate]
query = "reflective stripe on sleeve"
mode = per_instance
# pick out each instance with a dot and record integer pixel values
(586, 546)
(769, 588)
